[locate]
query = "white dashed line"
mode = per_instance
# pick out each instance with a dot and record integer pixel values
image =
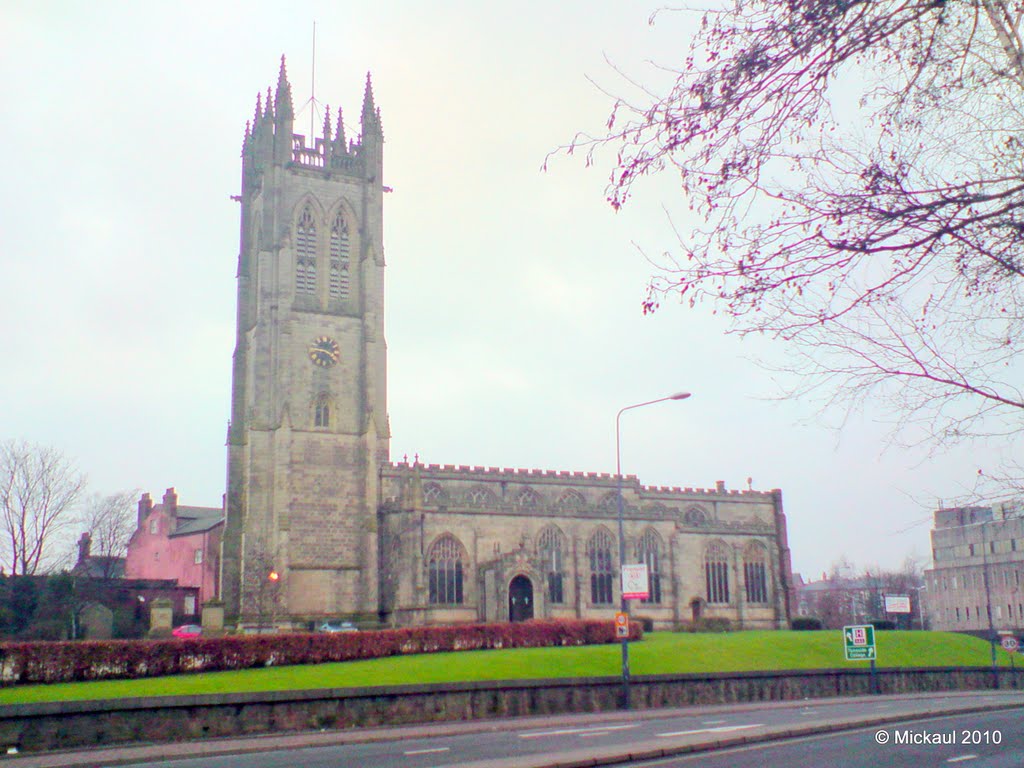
(427, 751)
(713, 722)
(575, 731)
(725, 729)
(962, 758)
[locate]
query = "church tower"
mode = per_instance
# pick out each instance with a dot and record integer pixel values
(309, 426)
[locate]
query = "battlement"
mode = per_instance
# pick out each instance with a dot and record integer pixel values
(560, 477)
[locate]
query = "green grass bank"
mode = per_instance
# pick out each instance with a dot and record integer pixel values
(658, 653)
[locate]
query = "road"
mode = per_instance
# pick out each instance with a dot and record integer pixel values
(981, 740)
(567, 741)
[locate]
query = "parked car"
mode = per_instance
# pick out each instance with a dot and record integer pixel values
(187, 630)
(337, 626)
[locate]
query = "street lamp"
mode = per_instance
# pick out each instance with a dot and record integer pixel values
(624, 605)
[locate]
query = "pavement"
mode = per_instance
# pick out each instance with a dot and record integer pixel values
(952, 702)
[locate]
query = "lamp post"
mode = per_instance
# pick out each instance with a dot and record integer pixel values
(624, 605)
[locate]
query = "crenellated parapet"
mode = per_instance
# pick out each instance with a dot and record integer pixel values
(536, 492)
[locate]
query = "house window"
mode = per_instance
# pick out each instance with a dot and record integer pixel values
(600, 550)
(198, 559)
(305, 253)
(154, 525)
(716, 573)
(755, 574)
(445, 572)
(649, 553)
(551, 547)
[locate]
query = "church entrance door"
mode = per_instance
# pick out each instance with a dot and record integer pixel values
(520, 599)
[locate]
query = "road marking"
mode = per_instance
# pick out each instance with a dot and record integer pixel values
(595, 733)
(725, 729)
(571, 731)
(962, 758)
(713, 722)
(427, 751)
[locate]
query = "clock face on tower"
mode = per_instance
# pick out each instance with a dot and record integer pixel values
(324, 351)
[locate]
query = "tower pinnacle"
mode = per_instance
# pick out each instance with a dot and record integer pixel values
(283, 97)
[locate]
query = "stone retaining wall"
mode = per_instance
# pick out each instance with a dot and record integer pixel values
(70, 725)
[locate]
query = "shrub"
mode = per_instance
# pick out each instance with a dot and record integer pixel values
(883, 624)
(806, 624)
(61, 662)
(710, 624)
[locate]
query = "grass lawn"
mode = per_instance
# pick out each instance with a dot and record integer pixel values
(658, 653)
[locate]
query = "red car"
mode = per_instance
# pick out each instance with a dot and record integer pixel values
(187, 630)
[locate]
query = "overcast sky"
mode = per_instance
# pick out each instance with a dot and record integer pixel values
(513, 295)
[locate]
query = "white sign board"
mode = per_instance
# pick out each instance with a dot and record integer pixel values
(897, 603)
(634, 582)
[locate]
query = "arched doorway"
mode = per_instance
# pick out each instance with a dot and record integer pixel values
(520, 599)
(696, 608)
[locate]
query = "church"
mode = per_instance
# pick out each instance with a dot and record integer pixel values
(321, 523)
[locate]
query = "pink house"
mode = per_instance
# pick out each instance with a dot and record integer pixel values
(179, 543)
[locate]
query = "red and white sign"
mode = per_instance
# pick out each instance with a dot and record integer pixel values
(897, 603)
(621, 625)
(634, 582)
(1009, 643)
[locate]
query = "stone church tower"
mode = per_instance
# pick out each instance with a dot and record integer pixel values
(309, 427)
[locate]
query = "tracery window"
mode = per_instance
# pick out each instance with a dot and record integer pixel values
(445, 572)
(527, 498)
(755, 572)
(601, 574)
(551, 546)
(649, 552)
(570, 500)
(322, 412)
(433, 493)
(305, 254)
(716, 572)
(339, 278)
(480, 496)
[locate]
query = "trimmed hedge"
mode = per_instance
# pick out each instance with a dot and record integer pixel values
(76, 661)
(806, 624)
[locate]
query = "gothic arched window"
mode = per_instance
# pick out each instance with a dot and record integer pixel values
(648, 551)
(716, 572)
(599, 548)
(339, 283)
(481, 496)
(322, 412)
(527, 498)
(551, 545)
(755, 572)
(305, 253)
(433, 493)
(444, 568)
(570, 500)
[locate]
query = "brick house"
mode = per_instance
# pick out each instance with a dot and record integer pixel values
(179, 543)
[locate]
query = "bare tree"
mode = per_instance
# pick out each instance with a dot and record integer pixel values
(39, 487)
(109, 522)
(858, 168)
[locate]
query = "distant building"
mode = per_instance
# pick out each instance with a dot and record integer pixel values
(840, 600)
(93, 566)
(978, 556)
(177, 543)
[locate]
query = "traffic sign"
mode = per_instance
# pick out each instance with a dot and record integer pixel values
(1009, 643)
(859, 642)
(621, 625)
(634, 582)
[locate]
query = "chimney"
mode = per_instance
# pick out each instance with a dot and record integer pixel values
(171, 504)
(84, 545)
(145, 507)
(720, 486)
